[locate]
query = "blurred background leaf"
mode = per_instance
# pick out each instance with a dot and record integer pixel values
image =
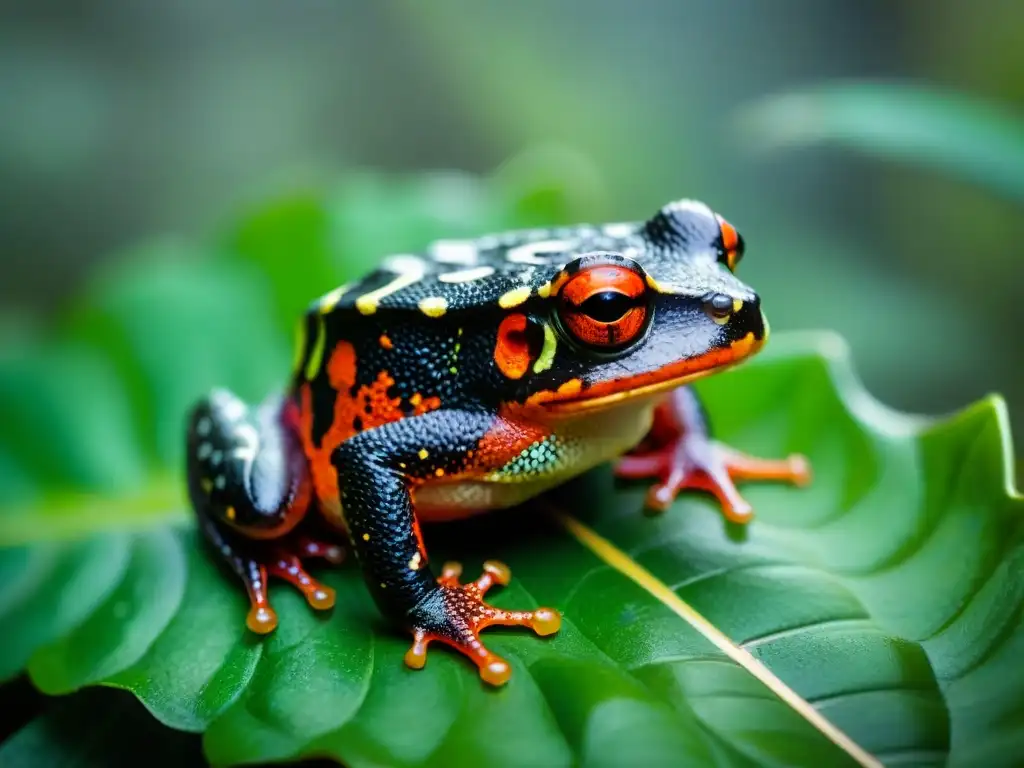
(911, 123)
(125, 122)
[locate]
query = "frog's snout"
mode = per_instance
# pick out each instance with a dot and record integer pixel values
(747, 319)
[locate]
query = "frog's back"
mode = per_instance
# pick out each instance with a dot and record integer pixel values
(500, 270)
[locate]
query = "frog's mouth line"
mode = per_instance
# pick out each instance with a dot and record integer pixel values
(608, 394)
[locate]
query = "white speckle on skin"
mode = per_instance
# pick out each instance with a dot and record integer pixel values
(454, 252)
(216, 458)
(409, 270)
(466, 275)
(623, 229)
(233, 409)
(529, 253)
(694, 206)
(204, 450)
(250, 439)
(402, 263)
(203, 426)
(219, 482)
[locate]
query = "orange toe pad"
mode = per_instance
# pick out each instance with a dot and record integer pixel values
(455, 613)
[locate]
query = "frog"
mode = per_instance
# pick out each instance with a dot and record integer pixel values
(475, 375)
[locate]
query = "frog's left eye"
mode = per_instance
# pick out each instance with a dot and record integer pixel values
(731, 244)
(604, 306)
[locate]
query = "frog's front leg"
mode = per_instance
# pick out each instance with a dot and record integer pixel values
(378, 471)
(249, 485)
(680, 452)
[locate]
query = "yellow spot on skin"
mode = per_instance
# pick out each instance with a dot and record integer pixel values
(423, 453)
(316, 357)
(654, 285)
(571, 387)
(416, 399)
(559, 281)
(300, 343)
(544, 291)
(230, 513)
(434, 306)
(207, 485)
(414, 563)
(366, 537)
(743, 346)
(368, 303)
(737, 305)
(401, 464)
(547, 352)
(383, 585)
(330, 300)
(514, 298)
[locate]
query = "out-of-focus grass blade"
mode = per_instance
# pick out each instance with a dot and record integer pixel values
(976, 140)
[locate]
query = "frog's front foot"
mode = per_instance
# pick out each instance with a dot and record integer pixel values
(455, 614)
(680, 454)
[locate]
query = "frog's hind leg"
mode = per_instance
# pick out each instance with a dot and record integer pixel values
(680, 453)
(250, 487)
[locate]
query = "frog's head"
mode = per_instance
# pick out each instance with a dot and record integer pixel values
(661, 309)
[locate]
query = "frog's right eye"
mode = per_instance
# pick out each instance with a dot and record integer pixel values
(604, 306)
(731, 245)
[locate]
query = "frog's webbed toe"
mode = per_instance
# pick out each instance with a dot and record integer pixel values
(682, 456)
(255, 562)
(456, 613)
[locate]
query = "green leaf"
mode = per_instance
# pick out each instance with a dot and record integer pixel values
(886, 598)
(98, 728)
(960, 135)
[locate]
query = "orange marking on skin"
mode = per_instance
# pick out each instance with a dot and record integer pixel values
(512, 351)
(421, 405)
(613, 391)
(368, 407)
(341, 368)
(565, 390)
(386, 342)
(512, 432)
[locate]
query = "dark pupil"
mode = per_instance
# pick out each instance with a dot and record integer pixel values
(607, 306)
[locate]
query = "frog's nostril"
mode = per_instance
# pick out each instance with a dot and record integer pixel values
(719, 307)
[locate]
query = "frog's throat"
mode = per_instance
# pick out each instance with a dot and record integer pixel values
(609, 394)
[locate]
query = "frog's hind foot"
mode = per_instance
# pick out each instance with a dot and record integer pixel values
(250, 488)
(255, 562)
(684, 456)
(455, 614)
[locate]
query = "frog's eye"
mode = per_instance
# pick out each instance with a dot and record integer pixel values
(604, 306)
(731, 245)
